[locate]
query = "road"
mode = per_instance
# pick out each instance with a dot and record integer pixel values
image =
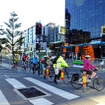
(55, 94)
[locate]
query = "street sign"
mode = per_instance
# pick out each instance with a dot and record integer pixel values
(43, 45)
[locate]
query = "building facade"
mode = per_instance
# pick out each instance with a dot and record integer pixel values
(50, 33)
(30, 38)
(87, 15)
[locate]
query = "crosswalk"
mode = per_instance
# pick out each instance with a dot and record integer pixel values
(3, 100)
(16, 84)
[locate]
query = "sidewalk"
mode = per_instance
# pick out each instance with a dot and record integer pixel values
(83, 102)
(5, 65)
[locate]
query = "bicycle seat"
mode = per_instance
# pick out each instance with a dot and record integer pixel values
(82, 70)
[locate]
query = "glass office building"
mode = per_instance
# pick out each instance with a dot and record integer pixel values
(87, 15)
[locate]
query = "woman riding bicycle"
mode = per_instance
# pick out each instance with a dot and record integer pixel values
(88, 67)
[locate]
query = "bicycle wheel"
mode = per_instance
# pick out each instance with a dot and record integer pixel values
(98, 84)
(24, 67)
(76, 83)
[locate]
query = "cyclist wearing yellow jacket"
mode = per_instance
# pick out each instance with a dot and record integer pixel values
(16, 59)
(58, 66)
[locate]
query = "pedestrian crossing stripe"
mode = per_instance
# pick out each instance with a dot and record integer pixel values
(16, 84)
(3, 100)
(41, 101)
(60, 92)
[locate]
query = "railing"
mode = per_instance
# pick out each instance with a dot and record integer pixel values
(96, 62)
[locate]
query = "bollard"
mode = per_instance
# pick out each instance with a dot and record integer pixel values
(100, 66)
(47, 71)
(62, 76)
(84, 81)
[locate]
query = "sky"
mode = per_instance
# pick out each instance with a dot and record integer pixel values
(32, 11)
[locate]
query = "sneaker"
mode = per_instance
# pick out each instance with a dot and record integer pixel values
(55, 81)
(44, 77)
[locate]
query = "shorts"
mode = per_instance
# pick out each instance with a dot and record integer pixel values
(43, 67)
(23, 60)
(89, 72)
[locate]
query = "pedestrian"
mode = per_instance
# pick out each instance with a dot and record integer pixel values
(35, 61)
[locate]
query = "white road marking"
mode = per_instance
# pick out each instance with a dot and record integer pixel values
(3, 100)
(40, 101)
(53, 89)
(15, 83)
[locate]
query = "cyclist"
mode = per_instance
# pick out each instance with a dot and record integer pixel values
(35, 61)
(58, 66)
(88, 67)
(16, 59)
(47, 64)
(25, 57)
(49, 60)
(44, 65)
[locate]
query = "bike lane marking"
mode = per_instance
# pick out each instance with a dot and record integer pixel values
(60, 92)
(3, 100)
(16, 84)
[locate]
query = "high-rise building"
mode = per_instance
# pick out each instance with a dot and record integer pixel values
(52, 32)
(87, 15)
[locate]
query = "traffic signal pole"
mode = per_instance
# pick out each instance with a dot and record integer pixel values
(39, 57)
(38, 32)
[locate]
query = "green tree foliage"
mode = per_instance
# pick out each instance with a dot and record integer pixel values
(11, 32)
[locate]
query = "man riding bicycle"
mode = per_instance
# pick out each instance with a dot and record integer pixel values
(88, 67)
(35, 61)
(25, 57)
(46, 63)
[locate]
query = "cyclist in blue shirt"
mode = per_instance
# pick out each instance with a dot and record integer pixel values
(35, 61)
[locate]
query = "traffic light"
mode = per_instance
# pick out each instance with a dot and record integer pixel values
(38, 28)
(37, 46)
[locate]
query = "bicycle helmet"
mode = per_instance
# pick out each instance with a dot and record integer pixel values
(63, 55)
(87, 56)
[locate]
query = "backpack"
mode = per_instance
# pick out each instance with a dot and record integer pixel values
(55, 59)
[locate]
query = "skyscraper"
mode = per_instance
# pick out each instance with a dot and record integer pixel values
(87, 15)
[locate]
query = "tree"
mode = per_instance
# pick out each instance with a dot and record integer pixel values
(11, 32)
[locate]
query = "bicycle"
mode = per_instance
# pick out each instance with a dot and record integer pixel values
(24, 65)
(50, 72)
(97, 82)
(14, 66)
(31, 66)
